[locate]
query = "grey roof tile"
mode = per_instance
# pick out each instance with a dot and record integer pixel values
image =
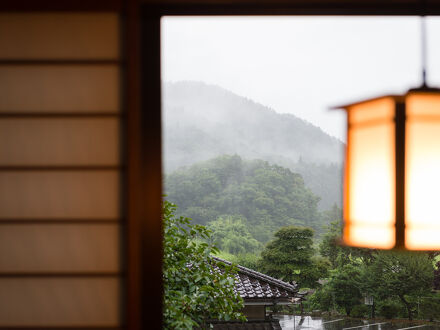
(252, 284)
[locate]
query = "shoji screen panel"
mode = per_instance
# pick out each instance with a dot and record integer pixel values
(60, 171)
(59, 141)
(62, 88)
(59, 36)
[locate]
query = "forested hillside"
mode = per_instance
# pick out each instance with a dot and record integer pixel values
(203, 121)
(254, 193)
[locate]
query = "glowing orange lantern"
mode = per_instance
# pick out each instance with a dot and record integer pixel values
(392, 172)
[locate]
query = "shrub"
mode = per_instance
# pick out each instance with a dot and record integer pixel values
(247, 260)
(389, 309)
(429, 308)
(193, 292)
(360, 311)
(322, 299)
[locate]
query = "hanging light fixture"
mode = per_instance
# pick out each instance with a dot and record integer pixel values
(392, 169)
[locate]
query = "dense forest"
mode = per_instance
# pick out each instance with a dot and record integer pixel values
(204, 121)
(399, 284)
(254, 193)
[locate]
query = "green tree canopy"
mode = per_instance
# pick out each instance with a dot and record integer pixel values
(345, 286)
(193, 292)
(395, 279)
(267, 196)
(329, 246)
(339, 255)
(230, 234)
(289, 257)
(403, 275)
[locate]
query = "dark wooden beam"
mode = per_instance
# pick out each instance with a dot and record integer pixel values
(293, 7)
(65, 5)
(151, 168)
(133, 148)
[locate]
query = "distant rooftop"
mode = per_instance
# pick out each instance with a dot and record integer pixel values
(256, 287)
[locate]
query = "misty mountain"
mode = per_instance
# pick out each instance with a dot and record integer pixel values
(204, 121)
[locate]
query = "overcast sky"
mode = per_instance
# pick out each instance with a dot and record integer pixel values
(301, 65)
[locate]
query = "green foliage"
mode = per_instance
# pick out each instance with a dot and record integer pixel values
(322, 299)
(266, 197)
(394, 279)
(247, 260)
(333, 214)
(360, 311)
(429, 307)
(320, 268)
(324, 179)
(230, 234)
(403, 275)
(338, 254)
(390, 309)
(225, 256)
(289, 257)
(345, 285)
(330, 247)
(200, 215)
(193, 293)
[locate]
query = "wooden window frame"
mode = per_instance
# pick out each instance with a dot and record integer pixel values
(151, 92)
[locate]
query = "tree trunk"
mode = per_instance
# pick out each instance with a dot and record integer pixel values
(408, 307)
(373, 310)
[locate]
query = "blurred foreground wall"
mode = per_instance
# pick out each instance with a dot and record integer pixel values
(60, 207)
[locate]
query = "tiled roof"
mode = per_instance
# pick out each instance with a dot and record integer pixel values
(251, 284)
(254, 325)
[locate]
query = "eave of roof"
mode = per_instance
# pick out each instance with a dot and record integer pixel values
(261, 276)
(255, 286)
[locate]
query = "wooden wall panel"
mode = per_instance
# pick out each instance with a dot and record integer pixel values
(61, 195)
(61, 181)
(52, 302)
(59, 88)
(59, 36)
(60, 248)
(59, 141)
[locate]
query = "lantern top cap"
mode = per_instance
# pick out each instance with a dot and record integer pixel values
(424, 89)
(394, 97)
(346, 106)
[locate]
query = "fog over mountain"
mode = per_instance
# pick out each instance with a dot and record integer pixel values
(204, 121)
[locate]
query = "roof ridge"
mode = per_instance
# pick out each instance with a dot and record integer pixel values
(261, 276)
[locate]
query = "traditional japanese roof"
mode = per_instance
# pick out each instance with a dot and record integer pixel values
(249, 325)
(257, 287)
